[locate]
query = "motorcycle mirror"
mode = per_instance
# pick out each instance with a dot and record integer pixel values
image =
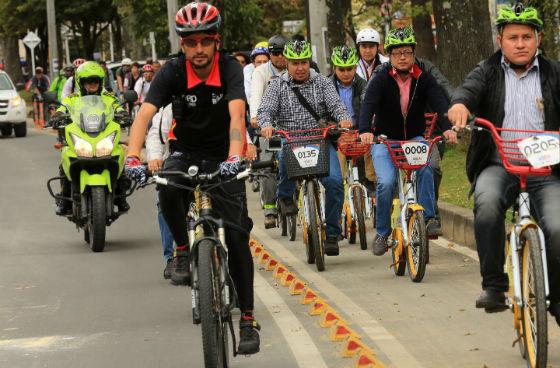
(51, 97)
(130, 96)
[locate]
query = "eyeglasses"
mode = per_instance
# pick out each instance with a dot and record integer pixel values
(400, 54)
(204, 41)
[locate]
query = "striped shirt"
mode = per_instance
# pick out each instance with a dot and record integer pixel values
(524, 105)
(280, 104)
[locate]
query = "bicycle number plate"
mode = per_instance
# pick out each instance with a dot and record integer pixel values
(416, 153)
(541, 150)
(307, 156)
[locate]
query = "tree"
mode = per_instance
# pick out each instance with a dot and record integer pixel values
(240, 20)
(422, 24)
(339, 21)
(548, 11)
(464, 36)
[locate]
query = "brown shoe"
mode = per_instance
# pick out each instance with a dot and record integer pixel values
(269, 221)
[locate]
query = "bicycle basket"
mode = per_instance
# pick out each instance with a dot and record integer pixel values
(410, 155)
(430, 124)
(306, 156)
(350, 146)
(540, 149)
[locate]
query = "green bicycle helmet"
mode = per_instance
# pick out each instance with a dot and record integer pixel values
(400, 37)
(297, 50)
(89, 71)
(343, 56)
(519, 14)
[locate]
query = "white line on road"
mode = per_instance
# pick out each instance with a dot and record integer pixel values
(386, 342)
(448, 244)
(304, 349)
(48, 343)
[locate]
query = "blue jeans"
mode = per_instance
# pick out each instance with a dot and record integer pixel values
(166, 236)
(334, 191)
(386, 182)
(495, 191)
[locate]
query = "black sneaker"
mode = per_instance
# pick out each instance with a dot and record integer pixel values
(492, 301)
(181, 274)
(122, 205)
(555, 311)
(331, 246)
(380, 245)
(168, 269)
(433, 228)
(269, 221)
(249, 341)
(63, 207)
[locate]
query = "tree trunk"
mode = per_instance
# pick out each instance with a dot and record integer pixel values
(339, 12)
(422, 24)
(464, 36)
(11, 53)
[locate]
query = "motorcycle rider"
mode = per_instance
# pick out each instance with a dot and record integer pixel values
(89, 81)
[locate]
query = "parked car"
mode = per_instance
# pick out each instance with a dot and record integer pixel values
(13, 113)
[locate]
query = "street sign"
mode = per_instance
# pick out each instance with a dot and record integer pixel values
(31, 40)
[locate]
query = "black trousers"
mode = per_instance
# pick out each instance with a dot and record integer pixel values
(228, 202)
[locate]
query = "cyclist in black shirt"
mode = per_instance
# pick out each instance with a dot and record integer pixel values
(207, 94)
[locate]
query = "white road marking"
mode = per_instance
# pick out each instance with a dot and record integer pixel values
(304, 349)
(386, 342)
(48, 343)
(448, 244)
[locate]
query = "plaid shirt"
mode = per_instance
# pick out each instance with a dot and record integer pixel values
(281, 106)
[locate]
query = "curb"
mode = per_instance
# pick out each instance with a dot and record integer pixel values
(457, 224)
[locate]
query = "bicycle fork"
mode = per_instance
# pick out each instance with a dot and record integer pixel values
(353, 182)
(407, 195)
(525, 221)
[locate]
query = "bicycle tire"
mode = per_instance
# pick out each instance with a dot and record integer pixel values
(417, 246)
(359, 199)
(315, 238)
(291, 224)
(399, 261)
(534, 311)
(283, 225)
(214, 328)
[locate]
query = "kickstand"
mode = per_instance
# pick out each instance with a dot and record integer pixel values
(516, 341)
(234, 343)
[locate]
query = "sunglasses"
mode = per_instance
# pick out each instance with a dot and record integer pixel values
(345, 69)
(93, 80)
(276, 53)
(204, 41)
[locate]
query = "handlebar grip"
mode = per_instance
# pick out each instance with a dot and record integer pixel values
(262, 165)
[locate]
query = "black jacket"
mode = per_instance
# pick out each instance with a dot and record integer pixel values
(382, 100)
(359, 85)
(483, 93)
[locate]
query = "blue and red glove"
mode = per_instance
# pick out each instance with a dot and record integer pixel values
(135, 170)
(231, 166)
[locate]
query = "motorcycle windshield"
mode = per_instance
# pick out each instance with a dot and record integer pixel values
(91, 113)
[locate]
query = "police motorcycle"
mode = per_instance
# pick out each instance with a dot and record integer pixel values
(92, 162)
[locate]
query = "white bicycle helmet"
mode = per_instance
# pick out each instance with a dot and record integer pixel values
(368, 35)
(126, 61)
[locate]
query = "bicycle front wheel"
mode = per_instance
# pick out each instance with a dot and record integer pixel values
(315, 239)
(214, 326)
(417, 248)
(291, 224)
(534, 318)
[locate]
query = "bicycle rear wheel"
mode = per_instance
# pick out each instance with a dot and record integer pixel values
(417, 248)
(214, 326)
(315, 232)
(359, 200)
(534, 318)
(283, 224)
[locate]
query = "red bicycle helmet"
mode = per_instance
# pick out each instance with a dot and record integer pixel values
(78, 62)
(148, 68)
(197, 17)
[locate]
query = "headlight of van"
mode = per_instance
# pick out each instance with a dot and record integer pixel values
(105, 146)
(16, 101)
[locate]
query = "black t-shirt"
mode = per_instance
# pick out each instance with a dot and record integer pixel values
(203, 128)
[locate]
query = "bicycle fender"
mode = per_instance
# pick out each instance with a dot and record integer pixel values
(415, 207)
(95, 180)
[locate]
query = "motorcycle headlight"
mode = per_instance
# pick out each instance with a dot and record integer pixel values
(82, 147)
(16, 101)
(105, 146)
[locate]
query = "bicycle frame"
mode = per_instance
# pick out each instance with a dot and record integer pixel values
(407, 198)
